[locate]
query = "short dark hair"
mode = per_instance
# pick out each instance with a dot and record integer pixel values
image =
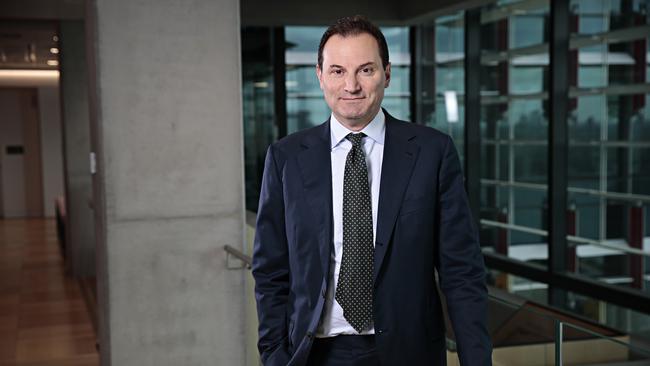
(353, 26)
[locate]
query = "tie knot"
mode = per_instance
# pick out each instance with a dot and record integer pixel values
(355, 138)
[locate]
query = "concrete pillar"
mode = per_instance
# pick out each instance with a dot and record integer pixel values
(80, 229)
(166, 128)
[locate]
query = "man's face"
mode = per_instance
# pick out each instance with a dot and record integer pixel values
(352, 78)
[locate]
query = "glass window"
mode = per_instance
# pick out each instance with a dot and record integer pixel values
(442, 82)
(260, 125)
(305, 104)
(514, 130)
(609, 142)
(608, 190)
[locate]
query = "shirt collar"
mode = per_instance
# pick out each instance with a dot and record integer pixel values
(375, 129)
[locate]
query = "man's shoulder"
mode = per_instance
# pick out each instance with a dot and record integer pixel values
(295, 141)
(422, 133)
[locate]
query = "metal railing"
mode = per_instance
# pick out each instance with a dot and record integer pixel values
(558, 340)
(572, 238)
(246, 260)
(630, 197)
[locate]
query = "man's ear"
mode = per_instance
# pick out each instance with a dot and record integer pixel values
(319, 74)
(387, 73)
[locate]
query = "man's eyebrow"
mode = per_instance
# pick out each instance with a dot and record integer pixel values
(369, 63)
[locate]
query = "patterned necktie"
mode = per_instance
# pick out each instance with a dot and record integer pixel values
(355, 284)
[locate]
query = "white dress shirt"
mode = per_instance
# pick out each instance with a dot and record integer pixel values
(332, 322)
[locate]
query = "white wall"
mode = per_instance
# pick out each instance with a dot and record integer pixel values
(11, 134)
(50, 116)
(12, 181)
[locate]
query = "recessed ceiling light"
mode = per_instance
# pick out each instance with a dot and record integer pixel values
(53, 62)
(54, 50)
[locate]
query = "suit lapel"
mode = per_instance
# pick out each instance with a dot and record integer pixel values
(316, 171)
(400, 154)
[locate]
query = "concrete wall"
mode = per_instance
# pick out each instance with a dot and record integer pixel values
(166, 126)
(52, 156)
(269, 13)
(383, 12)
(297, 12)
(252, 353)
(80, 231)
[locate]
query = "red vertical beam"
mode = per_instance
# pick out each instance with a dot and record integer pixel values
(635, 240)
(572, 229)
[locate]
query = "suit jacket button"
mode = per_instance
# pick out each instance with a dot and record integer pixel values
(310, 335)
(380, 331)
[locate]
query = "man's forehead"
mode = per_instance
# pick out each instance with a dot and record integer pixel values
(333, 48)
(340, 38)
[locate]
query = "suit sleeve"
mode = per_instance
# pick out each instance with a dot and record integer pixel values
(461, 268)
(271, 267)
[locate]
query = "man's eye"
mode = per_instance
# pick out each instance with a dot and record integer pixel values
(366, 70)
(337, 72)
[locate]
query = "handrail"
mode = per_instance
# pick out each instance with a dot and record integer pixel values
(593, 192)
(246, 259)
(633, 347)
(572, 238)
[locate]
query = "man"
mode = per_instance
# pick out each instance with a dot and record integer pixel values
(355, 217)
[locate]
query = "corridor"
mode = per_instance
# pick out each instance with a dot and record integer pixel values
(44, 320)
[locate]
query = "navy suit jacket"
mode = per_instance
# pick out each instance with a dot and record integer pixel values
(424, 224)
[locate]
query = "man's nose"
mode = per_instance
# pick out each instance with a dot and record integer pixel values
(352, 84)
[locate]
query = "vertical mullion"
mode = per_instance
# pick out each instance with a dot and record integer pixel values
(473, 109)
(279, 80)
(558, 143)
(415, 77)
(423, 81)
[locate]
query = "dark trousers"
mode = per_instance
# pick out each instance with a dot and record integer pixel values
(344, 350)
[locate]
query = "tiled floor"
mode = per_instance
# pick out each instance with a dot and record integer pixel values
(43, 318)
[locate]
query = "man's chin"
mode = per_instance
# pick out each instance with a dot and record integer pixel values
(357, 119)
(354, 115)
